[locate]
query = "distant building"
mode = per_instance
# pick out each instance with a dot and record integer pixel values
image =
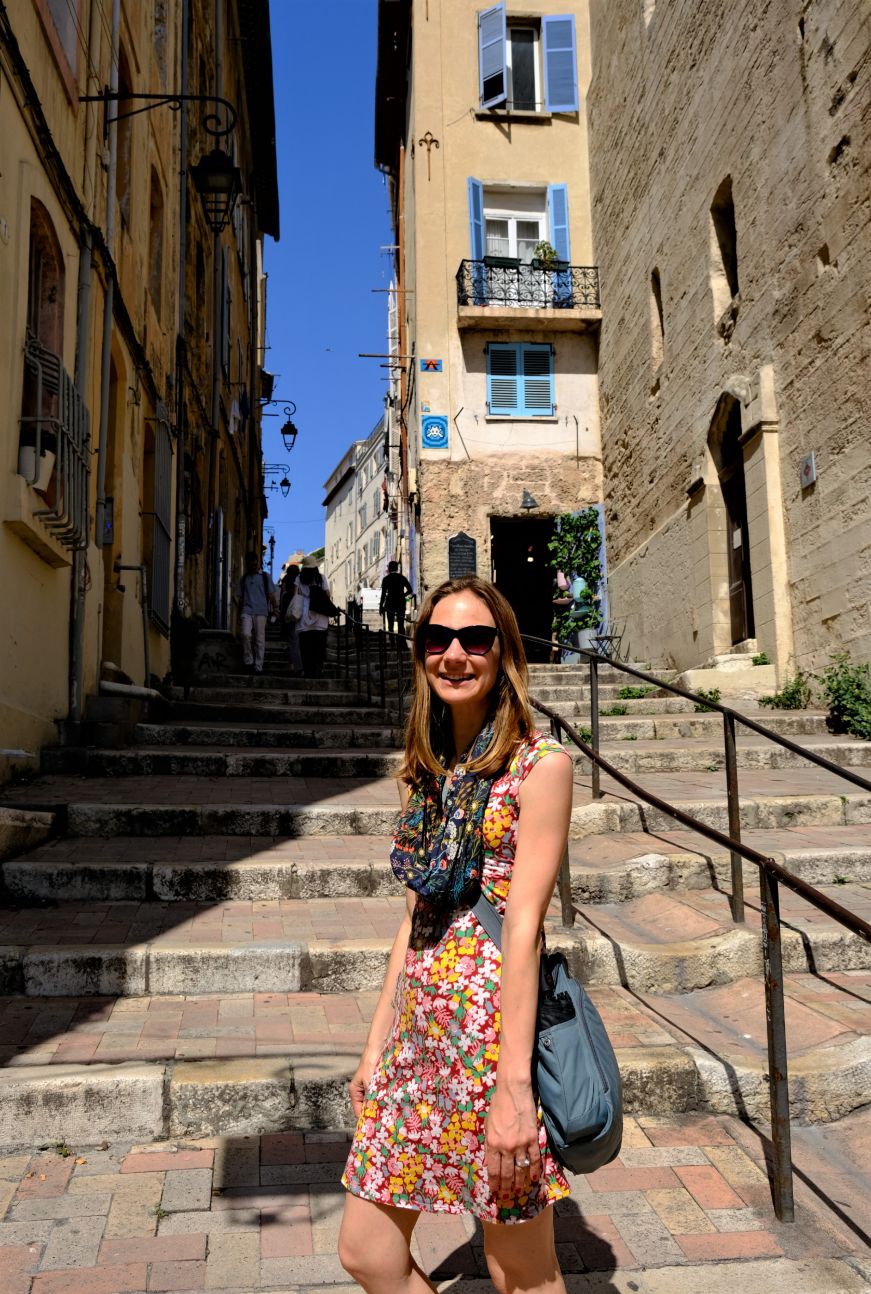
(730, 170)
(357, 543)
(481, 128)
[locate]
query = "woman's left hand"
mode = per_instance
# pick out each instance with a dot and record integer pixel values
(511, 1140)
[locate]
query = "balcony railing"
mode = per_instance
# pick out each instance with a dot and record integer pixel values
(497, 282)
(55, 429)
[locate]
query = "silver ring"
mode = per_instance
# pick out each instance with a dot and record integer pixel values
(521, 1163)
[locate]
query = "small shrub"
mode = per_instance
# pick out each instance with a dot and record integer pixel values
(847, 689)
(761, 658)
(794, 695)
(630, 736)
(615, 709)
(708, 694)
(635, 693)
(840, 880)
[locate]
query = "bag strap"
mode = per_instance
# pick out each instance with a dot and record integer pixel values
(490, 919)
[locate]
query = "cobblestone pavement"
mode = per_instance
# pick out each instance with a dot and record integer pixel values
(685, 1208)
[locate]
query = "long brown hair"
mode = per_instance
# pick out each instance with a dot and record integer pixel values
(428, 737)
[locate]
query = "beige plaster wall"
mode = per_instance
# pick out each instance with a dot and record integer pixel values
(772, 93)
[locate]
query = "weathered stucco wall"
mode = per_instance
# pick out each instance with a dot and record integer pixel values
(772, 94)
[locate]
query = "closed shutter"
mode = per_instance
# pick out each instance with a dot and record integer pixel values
(558, 212)
(560, 63)
(476, 241)
(502, 379)
(491, 56)
(520, 380)
(537, 389)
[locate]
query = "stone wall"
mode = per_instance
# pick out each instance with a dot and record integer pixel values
(464, 496)
(771, 94)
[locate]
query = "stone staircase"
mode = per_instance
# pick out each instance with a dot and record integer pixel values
(200, 946)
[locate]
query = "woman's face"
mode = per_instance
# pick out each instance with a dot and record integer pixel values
(455, 676)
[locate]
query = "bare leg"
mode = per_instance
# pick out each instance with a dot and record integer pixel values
(375, 1248)
(521, 1256)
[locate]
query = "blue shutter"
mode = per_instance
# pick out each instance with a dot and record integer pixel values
(520, 379)
(503, 378)
(558, 213)
(537, 384)
(476, 241)
(491, 55)
(560, 63)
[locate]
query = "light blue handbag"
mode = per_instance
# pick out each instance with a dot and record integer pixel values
(575, 1070)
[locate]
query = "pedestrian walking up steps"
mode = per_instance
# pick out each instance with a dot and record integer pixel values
(199, 945)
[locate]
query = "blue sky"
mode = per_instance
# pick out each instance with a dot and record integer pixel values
(334, 219)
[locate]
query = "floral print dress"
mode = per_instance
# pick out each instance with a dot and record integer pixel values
(419, 1142)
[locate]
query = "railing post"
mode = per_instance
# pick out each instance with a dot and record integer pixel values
(400, 681)
(564, 876)
(594, 724)
(734, 804)
(382, 664)
(347, 648)
(357, 646)
(366, 637)
(778, 1077)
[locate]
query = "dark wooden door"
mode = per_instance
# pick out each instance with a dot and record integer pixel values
(738, 543)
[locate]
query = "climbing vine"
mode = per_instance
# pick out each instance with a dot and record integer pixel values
(574, 551)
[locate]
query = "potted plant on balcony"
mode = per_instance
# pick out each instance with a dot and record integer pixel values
(544, 257)
(502, 262)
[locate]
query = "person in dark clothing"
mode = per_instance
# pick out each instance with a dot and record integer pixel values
(394, 590)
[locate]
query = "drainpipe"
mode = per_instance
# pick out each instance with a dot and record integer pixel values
(180, 521)
(83, 332)
(109, 303)
(218, 310)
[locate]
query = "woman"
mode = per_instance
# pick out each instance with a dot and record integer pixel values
(289, 626)
(313, 625)
(447, 1118)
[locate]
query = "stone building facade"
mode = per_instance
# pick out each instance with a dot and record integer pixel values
(358, 541)
(130, 340)
(481, 128)
(730, 166)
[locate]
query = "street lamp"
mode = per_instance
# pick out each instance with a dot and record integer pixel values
(270, 471)
(289, 432)
(528, 502)
(219, 182)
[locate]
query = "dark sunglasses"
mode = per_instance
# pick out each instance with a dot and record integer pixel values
(475, 640)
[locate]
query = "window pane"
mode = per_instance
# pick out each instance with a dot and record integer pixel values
(497, 238)
(523, 68)
(528, 234)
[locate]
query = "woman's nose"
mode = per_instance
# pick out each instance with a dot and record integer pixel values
(455, 650)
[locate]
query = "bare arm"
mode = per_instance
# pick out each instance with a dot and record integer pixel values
(545, 811)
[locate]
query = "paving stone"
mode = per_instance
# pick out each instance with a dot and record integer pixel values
(322, 1269)
(737, 1244)
(708, 1187)
(679, 1212)
(154, 1249)
(648, 1239)
(65, 1206)
(74, 1242)
(177, 1276)
(93, 1280)
(17, 1264)
(193, 1223)
(187, 1190)
(237, 1162)
(234, 1260)
(157, 1162)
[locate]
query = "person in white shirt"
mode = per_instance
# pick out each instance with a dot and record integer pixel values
(256, 597)
(313, 624)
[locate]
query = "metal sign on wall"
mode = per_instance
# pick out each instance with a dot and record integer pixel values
(462, 556)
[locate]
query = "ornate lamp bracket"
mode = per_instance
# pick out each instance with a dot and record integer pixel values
(211, 122)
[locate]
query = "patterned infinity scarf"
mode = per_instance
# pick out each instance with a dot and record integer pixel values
(438, 848)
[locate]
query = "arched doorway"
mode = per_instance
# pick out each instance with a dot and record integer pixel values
(724, 441)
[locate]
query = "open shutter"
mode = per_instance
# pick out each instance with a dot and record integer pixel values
(537, 380)
(491, 55)
(560, 63)
(476, 241)
(558, 213)
(503, 378)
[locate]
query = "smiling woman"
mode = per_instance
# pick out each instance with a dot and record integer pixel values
(447, 1118)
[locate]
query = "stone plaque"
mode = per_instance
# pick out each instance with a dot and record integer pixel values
(462, 556)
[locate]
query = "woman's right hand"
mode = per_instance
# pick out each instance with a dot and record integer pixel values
(360, 1080)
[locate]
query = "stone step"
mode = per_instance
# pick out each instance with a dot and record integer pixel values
(685, 755)
(287, 736)
(85, 1070)
(273, 677)
(609, 868)
(175, 761)
(674, 942)
(243, 692)
(235, 711)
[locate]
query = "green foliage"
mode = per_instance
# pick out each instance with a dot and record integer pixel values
(794, 695)
(544, 251)
(585, 734)
(635, 693)
(840, 880)
(574, 549)
(761, 658)
(616, 709)
(629, 736)
(708, 694)
(847, 689)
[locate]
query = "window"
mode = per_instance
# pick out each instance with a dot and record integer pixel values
(363, 517)
(44, 346)
(513, 59)
(155, 244)
(724, 259)
(64, 16)
(520, 379)
(657, 322)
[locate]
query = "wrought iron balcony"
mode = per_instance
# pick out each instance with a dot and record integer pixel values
(507, 284)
